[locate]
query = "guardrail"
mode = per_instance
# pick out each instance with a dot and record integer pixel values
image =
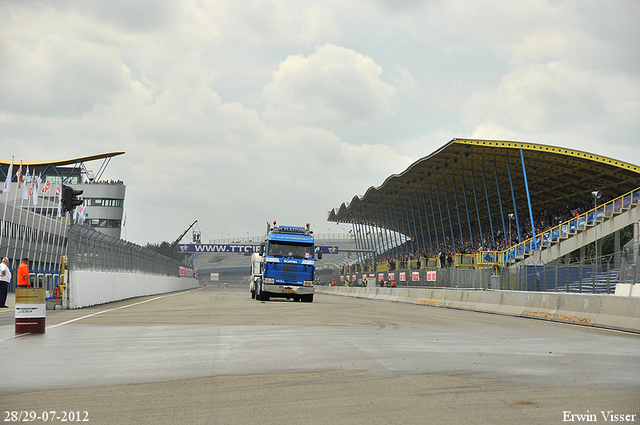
(606, 311)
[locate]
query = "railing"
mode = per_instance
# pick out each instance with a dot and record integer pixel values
(570, 227)
(465, 261)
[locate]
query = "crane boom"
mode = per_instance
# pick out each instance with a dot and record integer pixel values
(175, 243)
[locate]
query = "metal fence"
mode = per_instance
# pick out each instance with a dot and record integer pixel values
(95, 251)
(584, 275)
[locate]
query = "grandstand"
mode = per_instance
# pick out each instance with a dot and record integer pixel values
(482, 201)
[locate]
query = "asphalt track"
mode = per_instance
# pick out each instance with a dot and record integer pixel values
(215, 356)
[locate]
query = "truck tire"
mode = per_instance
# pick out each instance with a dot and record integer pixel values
(262, 296)
(307, 298)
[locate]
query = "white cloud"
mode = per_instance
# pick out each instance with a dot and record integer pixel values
(227, 114)
(333, 87)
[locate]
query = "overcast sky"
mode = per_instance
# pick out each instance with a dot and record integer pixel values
(235, 113)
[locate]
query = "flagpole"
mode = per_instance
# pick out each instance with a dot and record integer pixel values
(39, 231)
(27, 218)
(6, 201)
(14, 260)
(48, 236)
(59, 224)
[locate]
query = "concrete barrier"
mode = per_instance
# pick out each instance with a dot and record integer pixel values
(87, 288)
(607, 311)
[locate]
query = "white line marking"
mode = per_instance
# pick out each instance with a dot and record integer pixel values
(106, 311)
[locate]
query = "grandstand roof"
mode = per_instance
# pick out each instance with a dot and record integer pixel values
(63, 162)
(556, 177)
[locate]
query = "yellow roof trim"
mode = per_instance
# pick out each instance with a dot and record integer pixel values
(551, 149)
(62, 162)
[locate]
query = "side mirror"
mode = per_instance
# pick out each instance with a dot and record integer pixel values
(261, 250)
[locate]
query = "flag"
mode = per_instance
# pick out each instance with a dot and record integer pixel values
(27, 180)
(46, 187)
(124, 221)
(35, 187)
(83, 212)
(59, 195)
(7, 180)
(19, 176)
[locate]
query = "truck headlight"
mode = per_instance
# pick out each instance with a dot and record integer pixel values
(308, 283)
(269, 280)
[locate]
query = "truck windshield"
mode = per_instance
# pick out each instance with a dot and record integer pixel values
(290, 249)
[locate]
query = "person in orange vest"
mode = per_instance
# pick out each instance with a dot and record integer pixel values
(23, 274)
(393, 283)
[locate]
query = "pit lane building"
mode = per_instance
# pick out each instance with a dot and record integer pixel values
(35, 231)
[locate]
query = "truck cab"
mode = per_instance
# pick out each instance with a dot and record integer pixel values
(285, 265)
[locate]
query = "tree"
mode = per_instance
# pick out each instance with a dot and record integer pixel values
(162, 248)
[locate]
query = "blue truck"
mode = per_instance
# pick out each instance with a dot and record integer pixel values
(285, 265)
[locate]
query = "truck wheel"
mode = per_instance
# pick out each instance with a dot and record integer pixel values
(253, 294)
(263, 296)
(307, 298)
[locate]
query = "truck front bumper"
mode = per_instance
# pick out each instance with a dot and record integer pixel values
(288, 289)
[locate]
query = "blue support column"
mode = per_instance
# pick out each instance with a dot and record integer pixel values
(475, 197)
(368, 245)
(400, 248)
(374, 242)
(455, 195)
(435, 223)
(376, 239)
(380, 238)
(444, 234)
(365, 242)
(411, 236)
(466, 206)
(526, 186)
(386, 236)
(359, 241)
(486, 193)
(355, 236)
(504, 228)
(426, 214)
(513, 196)
(424, 245)
(446, 197)
(391, 227)
(404, 233)
(415, 228)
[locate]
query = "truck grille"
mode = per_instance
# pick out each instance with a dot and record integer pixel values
(290, 272)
